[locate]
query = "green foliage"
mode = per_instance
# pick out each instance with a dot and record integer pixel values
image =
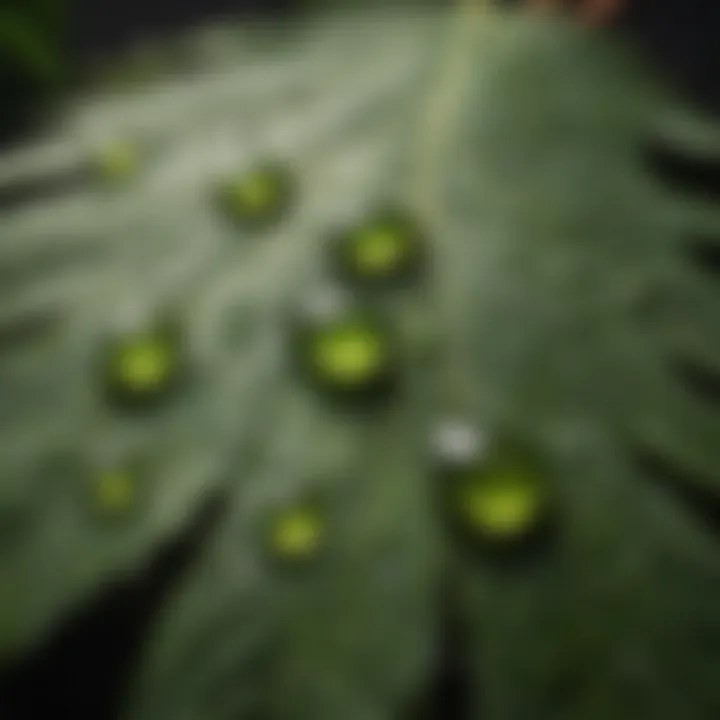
(34, 59)
(31, 34)
(541, 332)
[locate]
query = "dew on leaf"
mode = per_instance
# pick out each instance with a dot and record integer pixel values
(387, 250)
(258, 197)
(114, 491)
(344, 349)
(117, 488)
(141, 369)
(117, 162)
(349, 355)
(491, 493)
(296, 533)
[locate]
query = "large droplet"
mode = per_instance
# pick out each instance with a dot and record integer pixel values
(389, 250)
(501, 502)
(492, 492)
(348, 354)
(347, 351)
(258, 197)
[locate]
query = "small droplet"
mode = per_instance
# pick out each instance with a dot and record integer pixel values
(490, 493)
(142, 368)
(296, 534)
(388, 250)
(118, 161)
(114, 492)
(258, 197)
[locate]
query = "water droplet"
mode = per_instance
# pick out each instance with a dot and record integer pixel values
(258, 197)
(118, 161)
(491, 493)
(388, 250)
(142, 368)
(349, 355)
(500, 503)
(296, 533)
(114, 491)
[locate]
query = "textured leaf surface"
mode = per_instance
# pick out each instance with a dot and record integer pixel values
(560, 300)
(97, 260)
(574, 260)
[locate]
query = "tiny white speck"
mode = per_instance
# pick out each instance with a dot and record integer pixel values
(456, 440)
(326, 303)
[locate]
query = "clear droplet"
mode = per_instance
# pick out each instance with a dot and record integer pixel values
(258, 197)
(350, 355)
(142, 368)
(387, 250)
(118, 161)
(502, 502)
(297, 533)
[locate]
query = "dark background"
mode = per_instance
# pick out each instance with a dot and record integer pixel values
(680, 36)
(101, 26)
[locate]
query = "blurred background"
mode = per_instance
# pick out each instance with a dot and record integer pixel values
(48, 46)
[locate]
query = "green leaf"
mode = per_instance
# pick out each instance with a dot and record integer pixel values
(557, 297)
(561, 243)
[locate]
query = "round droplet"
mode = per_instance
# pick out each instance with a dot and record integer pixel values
(350, 355)
(259, 196)
(142, 368)
(388, 250)
(501, 503)
(118, 162)
(296, 534)
(492, 493)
